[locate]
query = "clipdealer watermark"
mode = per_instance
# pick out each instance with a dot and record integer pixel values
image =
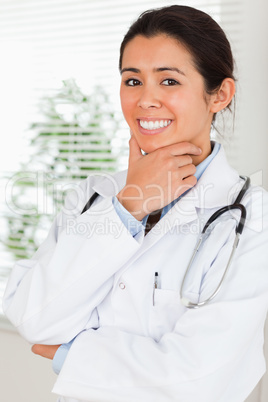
(44, 191)
(116, 229)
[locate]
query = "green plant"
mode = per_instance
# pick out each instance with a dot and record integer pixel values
(73, 138)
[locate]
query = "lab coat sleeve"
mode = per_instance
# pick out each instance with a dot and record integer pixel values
(51, 297)
(197, 360)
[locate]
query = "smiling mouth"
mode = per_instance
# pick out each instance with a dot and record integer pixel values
(154, 125)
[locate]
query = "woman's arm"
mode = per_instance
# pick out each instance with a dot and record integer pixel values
(198, 361)
(51, 297)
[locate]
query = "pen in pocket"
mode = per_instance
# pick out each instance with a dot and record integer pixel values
(155, 284)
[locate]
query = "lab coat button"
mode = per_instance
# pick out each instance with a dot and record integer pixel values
(122, 285)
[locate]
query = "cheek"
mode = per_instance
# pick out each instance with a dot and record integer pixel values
(127, 104)
(178, 103)
(188, 107)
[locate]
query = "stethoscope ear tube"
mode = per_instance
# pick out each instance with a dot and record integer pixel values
(241, 224)
(243, 189)
(217, 214)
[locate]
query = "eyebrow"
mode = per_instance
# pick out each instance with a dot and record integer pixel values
(156, 70)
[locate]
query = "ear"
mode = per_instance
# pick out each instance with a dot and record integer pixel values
(223, 96)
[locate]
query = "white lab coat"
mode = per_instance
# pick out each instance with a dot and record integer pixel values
(90, 272)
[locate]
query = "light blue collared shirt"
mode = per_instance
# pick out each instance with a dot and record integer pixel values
(135, 227)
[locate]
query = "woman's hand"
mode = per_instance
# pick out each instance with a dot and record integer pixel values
(47, 351)
(156, 179)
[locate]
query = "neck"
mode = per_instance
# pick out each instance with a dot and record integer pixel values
(206, 150)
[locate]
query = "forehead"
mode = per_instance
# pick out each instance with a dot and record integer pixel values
(157, 50)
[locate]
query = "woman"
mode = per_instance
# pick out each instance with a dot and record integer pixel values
(109, 292)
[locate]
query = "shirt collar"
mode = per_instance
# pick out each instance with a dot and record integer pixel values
(204, 164)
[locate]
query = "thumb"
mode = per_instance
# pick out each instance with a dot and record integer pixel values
(134, 149)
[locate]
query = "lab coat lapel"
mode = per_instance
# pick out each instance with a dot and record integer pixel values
(218, 185)
(108, 185)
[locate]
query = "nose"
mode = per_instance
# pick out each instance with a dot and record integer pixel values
(149, 98)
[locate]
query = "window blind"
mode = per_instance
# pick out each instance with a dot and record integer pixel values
(44, 42)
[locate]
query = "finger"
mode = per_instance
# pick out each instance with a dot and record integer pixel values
(188, 183)
(37, 349)
(184, 148)
(134, 149)
(183, 160)
(186, 171)
(47, 351)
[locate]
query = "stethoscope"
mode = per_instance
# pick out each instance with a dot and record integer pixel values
(238, 230)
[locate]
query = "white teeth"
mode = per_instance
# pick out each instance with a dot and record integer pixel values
(154, 125)
(151, 125)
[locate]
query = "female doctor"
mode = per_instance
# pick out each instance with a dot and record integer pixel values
(113, 295)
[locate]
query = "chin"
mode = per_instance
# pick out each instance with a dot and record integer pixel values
(152, 146)
(149, 144)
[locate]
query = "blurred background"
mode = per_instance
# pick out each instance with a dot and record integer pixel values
(61, 121)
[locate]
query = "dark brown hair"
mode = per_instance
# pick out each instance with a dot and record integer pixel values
(197, 31)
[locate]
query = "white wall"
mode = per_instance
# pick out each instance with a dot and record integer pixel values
(249, 149)
(24, 377)
(263, 386)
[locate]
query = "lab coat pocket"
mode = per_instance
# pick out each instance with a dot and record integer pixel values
(166, 309)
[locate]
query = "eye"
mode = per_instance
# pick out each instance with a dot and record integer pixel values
(132, 82)
(170, 82)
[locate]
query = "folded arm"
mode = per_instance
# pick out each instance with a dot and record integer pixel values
(51, 298)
